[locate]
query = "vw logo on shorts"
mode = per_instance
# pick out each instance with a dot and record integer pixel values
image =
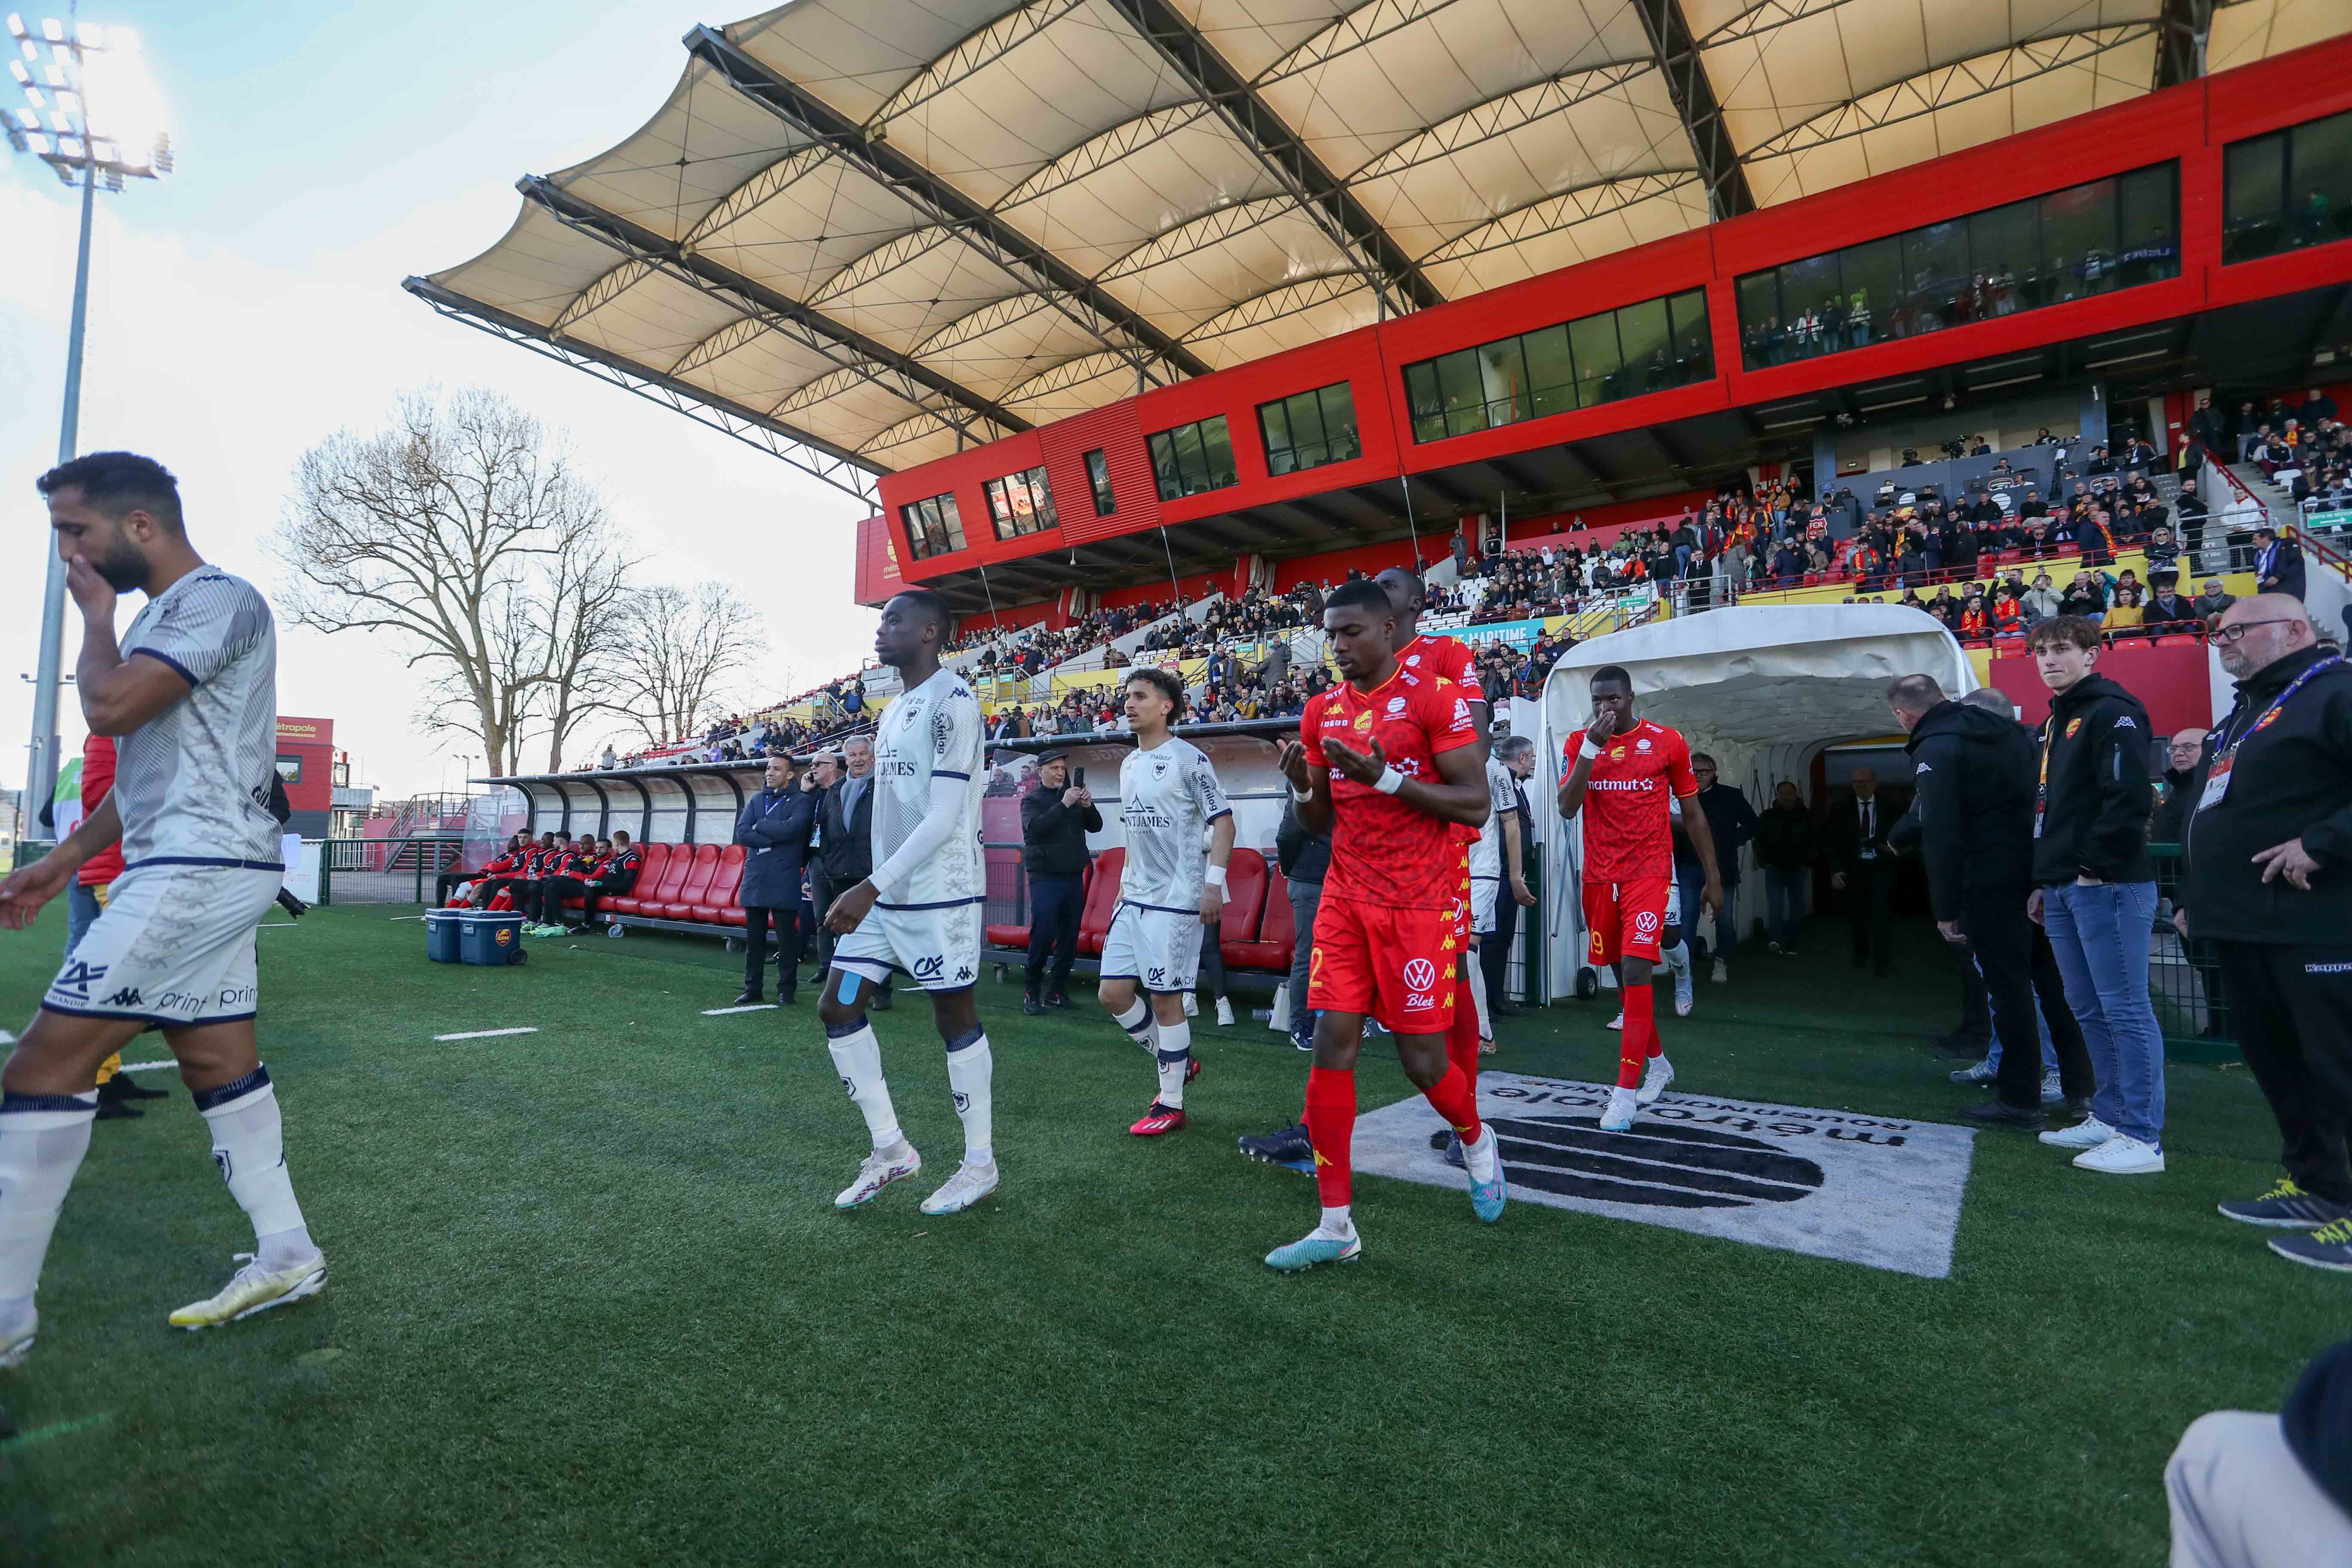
(1421, 975)
(1645, 922)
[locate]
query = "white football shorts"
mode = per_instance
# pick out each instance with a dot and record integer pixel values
(935, 945)
(1156, 946)
(173, 947)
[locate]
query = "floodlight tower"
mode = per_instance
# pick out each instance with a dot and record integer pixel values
(55, 66)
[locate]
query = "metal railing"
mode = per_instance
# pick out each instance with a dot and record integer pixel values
(2184, 978)
(386, 871)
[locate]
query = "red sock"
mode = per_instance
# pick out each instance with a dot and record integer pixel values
(1331, 1129)
(1455, 1098)
(1461, 1032)
(1641, 1037)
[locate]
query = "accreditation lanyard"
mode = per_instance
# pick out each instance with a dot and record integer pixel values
(2225, 756)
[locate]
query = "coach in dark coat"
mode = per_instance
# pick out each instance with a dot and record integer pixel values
(845, 839)
(774, 829)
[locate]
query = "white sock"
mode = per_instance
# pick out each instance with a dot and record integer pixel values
(1336, 1223)
(1136, 1022)
(857, 1058)
(1483, 1156)
(42, 1139)
(1175, 1057)
(969, 1071)
(1678, 958)
(1478, 996)
(249, 1147)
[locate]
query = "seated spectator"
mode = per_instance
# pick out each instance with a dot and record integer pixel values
(2123, 612)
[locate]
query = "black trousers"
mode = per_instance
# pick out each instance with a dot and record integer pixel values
(1869, 898)
(822, 892)
(787, 918)
(1976, 1006)
(2294, 1028)
(1055, 905)
(2021, 973)
(447, 882)
(552, 894)
(1495, 947)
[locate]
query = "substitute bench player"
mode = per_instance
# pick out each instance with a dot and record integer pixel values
(1624, 773)
(192, 692)
(1388, 763)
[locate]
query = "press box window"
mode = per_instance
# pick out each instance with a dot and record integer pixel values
(1098, 476)
(1020, 504)
(1308, 429)
(1192, 459)
(934, 527)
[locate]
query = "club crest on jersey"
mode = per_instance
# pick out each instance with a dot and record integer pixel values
(2073, 725)
(1419, 974)
(1363, 721)
(1160, 767)
(1616, 753)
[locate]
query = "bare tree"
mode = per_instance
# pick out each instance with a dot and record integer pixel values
(682, 651)
(462, 530)
(585, 613)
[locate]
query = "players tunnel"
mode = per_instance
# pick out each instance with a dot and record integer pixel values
(1766, 690)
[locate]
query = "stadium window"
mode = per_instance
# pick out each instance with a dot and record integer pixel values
(1098, 476)
(2090, 238)
(1020, 504)
(934, 527)
(2287, 190)
(1635, 349)
(1192, 459)
(1308, 429)
(290, 769)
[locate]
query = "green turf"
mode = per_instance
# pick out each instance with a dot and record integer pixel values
(591, 1304)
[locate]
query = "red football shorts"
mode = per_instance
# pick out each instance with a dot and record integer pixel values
(1397, 965)
(1625, 919)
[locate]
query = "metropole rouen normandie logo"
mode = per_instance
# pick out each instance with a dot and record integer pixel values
(1864, 1189)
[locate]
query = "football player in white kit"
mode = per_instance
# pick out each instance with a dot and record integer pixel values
(1168, 794)
(192, 692)
(919, 913)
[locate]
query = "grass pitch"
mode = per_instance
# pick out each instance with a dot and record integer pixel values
(590, 1303)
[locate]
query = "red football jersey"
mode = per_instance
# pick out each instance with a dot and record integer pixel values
(1452, 659)
(1382, 850)
(1628, 830)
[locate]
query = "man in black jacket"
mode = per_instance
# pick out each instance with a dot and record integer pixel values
(1786, 847)
(774, 830)
(2269, 883)
(1733, 823)
(2278, 564)
(1973, 774)
(1056, 819)
(1305, 859)
(1862, 870)
(2184, 753)
(844, 852)
(2096, 892)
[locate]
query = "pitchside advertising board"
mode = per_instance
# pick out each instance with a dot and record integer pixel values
(1871, 1190)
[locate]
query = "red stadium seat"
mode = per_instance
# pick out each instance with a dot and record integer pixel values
(1275, 931)
(690, 893)
(2178, 639)
(1102, 901)
(2008, 556)
(2011, 643)
(1017, 936)
(649, 875)
(719, 897)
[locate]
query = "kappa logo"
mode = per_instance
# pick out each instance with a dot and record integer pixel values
(926, 969)
(80, 976)
(2125, 724)
(1923, 768)
(1420, 974)
(128, 996)
(964, 974)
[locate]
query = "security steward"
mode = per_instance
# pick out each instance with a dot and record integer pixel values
(774, 830)
(2268, 884)
(1056, 819)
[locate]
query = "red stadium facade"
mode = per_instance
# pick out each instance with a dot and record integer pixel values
(2272, 320)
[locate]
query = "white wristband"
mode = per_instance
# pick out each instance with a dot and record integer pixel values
(1588, 751)
(1302, 795)
(1215, 876)
(1390, 782)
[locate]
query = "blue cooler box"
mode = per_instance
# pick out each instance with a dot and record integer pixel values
(441, 929)
(490, 939)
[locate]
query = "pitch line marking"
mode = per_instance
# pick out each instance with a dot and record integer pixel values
(486, 1033)
(749, 1007)
(56, 1429)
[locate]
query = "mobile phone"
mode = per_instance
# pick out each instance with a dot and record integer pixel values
(1078, 777)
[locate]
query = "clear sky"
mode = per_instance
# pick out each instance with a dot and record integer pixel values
(249, 305)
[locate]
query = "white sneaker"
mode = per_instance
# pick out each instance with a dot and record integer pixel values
(1224, 1012)
(1656, 1076)
(1721, 973)
(2087, 1133)
(2122, 1156)
(1191, 1005)
(1683, 1000)
(881, 1168)
(1619, 1117)
(1618, 1022)
(254, 1288)
(969, 1184)
(2053, 1091)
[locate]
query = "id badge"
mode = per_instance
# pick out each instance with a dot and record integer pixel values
(1869, 854)
(2217, 783)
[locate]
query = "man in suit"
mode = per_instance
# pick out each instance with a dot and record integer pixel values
(844, 856)
(1862, 871)
(774, 830)
(2278, 564)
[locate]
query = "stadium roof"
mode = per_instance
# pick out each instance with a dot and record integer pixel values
(863, 234)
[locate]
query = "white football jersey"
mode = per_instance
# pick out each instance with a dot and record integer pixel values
(931, 733)
(191, 784)
(1166, 797)
(1486, 855)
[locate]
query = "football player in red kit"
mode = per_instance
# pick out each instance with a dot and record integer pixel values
(1623, 771)
(1387, 764)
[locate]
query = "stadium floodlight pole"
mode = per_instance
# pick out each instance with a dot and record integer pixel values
(58, 127)
(1410, 525)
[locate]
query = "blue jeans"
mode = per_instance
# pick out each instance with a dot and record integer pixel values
(2100, 936)
(81, 913)
(1690, 881)
(1784, 902)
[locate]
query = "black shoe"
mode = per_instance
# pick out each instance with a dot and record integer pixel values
(1287, 1147)
(2000, 1113)
(1501, 1009)
(2078, 1106)
(787, 999)
(1958, 1048)
(123, 1086)
(747, 999)
(1031, 1005)
(1058, 1000)
(881, 1003)
(116, 1110)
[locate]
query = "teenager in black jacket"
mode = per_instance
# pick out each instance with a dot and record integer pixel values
(2096, 892)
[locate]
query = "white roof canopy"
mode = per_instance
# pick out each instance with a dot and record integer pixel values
(864, 232)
